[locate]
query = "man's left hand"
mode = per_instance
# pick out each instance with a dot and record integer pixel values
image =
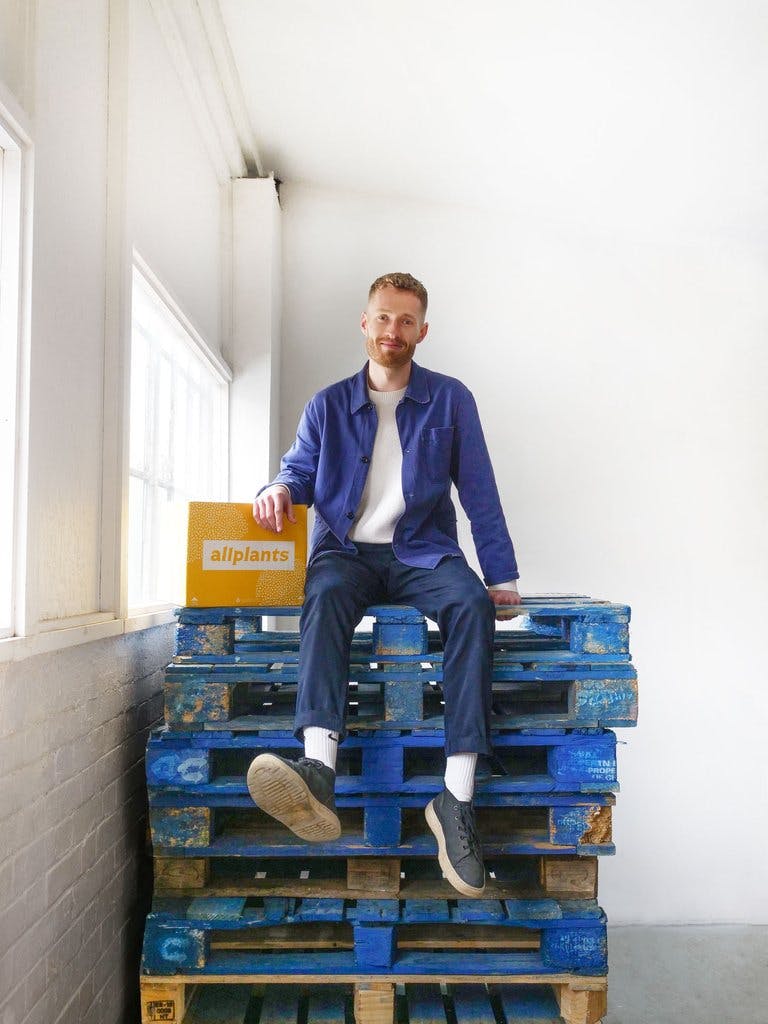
(503, 599)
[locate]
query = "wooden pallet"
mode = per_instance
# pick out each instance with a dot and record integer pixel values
(569, 667)
(561, 1000)
(280, 934)
(263, 698)
(211, 763)
(387, 825)
(560, 878)
(572, 625)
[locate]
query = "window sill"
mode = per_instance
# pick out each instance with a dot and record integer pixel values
(17, 648)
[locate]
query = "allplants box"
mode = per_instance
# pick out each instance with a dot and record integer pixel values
(232, 561)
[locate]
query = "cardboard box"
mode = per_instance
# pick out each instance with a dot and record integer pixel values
(232, 561)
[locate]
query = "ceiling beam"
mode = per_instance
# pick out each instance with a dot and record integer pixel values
(197, 41)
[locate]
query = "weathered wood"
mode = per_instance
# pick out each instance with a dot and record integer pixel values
(574, 876)
(582, 1004)
(176, 873)
(374, 1003)
(374, 874)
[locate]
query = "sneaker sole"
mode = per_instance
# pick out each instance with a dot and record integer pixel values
(279, 791)
(449, 871)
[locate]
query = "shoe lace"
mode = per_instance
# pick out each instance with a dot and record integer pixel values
(466, 830)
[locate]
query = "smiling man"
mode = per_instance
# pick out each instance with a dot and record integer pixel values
(377, 454)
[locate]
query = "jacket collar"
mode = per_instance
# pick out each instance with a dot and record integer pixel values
(417, 390)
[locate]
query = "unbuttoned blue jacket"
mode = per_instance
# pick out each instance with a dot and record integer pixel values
(442, 442)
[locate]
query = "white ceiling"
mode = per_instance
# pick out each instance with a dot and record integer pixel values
(620, 111)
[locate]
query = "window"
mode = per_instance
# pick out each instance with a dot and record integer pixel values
(10, 282)
(178, 440)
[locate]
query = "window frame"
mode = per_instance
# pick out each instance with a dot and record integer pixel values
(213, 361)
(15, 289)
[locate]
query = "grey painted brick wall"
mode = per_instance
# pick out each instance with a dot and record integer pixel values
(74, 877)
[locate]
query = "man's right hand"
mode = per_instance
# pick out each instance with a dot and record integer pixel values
(272, 506)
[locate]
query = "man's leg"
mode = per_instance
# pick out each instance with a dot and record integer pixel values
(456, 599)
(453, 596)
(338, 589)
(300, 794)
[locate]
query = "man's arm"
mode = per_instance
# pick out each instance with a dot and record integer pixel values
(473, 475)
(296, 480)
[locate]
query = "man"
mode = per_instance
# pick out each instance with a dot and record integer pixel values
(376, 454)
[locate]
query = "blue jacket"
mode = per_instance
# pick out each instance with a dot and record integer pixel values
(442, 442)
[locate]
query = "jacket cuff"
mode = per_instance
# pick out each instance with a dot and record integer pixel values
(509, 585)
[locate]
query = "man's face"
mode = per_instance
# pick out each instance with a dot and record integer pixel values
(393, 325)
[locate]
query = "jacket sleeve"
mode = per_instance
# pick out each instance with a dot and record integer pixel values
(472, 472)
(298, 467)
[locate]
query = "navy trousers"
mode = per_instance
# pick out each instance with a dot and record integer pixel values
(339, 588)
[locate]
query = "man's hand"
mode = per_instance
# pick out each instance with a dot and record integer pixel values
(272, 506)
(504, 599)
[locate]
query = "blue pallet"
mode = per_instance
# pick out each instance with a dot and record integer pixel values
(569, 625)
(569, 667)
(391, 825)
(305, 935)
(214, 763)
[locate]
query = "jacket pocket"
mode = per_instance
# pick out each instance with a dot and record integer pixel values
(435, 451)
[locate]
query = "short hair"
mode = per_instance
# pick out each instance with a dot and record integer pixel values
(405, 282)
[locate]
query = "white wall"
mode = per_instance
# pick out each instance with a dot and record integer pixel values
(620, 375)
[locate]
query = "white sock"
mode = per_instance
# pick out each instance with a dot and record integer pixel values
(460, 775)
(321, 744)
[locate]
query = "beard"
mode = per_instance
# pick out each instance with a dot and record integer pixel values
(389, 357)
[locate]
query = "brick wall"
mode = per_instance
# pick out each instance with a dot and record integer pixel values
(73, 885)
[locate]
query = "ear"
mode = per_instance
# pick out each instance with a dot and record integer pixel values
(422, 333)
(364, 323)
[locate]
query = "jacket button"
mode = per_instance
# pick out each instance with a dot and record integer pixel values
(364, 458)
(350, 515)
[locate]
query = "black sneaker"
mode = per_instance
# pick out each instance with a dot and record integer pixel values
(300, 794)
(458, 848)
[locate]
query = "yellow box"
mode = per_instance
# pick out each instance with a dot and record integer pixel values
(232, 561)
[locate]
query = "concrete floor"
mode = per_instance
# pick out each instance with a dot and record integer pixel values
(716, 974)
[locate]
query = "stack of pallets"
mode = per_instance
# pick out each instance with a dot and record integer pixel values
(251, 925)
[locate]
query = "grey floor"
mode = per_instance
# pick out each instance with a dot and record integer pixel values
(715, 974)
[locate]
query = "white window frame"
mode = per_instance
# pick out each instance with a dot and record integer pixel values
(217, 366)
(15, 276)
